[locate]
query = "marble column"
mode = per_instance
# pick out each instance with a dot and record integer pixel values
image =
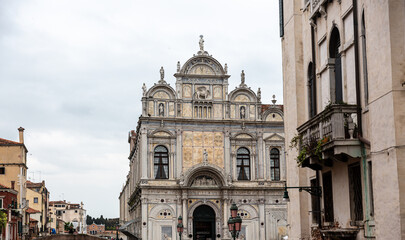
(179, 154)
(260, 156)
(144, 154)
(262, 219)
(145, 218)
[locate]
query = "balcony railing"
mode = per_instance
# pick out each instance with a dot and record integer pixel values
(334, 132)
(315, 6)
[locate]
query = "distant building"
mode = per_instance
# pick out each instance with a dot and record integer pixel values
(13, 172)
(8, 205)
(34, 215)
(61, 212)
(38, 198)
(95, 229)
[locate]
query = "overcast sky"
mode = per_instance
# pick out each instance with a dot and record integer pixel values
(71, 74)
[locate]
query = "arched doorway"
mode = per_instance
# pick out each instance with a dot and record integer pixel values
(203, 223)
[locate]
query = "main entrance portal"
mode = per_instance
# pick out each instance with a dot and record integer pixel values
(204, 223)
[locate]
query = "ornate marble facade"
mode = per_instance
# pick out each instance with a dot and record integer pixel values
(200, 145)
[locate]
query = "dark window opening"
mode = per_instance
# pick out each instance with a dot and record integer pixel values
(35, 200)
(161, 161)
(315, 203)
(311, 91)
(275, 164)
(334, 53)
(243, 164)
(370, 187)
(2, 170)
(328, 196)
(356, 197)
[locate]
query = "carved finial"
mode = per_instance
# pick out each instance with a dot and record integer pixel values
(259, 94)
(274, 99)
(178, 66)
(144, 89)
(201, 43)
(226, 68)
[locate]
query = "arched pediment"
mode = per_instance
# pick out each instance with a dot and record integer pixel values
(202, 65)
(161, 133)
(244, 135)
(204, 175)
(242, 95)
(161, 208)
(273, 115)
(161, 91)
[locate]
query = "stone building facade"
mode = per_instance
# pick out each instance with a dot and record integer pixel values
(343, 61)
(61, 212)
(197, 149)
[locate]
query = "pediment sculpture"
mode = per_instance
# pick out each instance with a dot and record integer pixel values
(204, 181)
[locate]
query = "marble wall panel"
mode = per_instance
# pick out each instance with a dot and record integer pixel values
(218, 92)
(252, 112)
(219, 157)
(197, 155)
(208, 139)
(187, 138)
(187, 91)
(151, 108)
(242, 98)
(197, 139)
(218, 139)
(187, 110)
(187, 157)
(171, 109)
(161, 95)
(232, 111)
(218, 111)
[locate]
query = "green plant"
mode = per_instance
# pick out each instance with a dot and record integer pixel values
(3, 220)
(296, 141)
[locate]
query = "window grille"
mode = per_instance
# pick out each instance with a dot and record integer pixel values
(328, 196)
(243, 164)
(315, 203)
(161, 163)
(356, 198)
(275, 164)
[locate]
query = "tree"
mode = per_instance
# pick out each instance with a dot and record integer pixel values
(3, 222)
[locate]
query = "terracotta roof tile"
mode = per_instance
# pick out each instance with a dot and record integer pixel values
(9, 142)
(31, 210)
(2, 186)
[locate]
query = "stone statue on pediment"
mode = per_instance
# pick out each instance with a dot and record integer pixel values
(201, 43)
(144, 89)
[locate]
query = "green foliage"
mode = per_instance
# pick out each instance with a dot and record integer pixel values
(68, 226)
(109, 223)
(3, 220)
(296, 141)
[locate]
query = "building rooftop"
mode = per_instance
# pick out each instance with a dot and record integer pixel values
(31, 210)
(9, 142)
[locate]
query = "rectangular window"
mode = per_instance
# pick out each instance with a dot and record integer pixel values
(328, 196)
(356, 196)
(166, 232)
(35, 200)
(2, 170)
(315, 203)
(1, 203)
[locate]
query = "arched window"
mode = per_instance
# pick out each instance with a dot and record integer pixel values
(334, 53)
(364, 50)
(161, 163)
(275, 164)
(311, 91)
(243, 164)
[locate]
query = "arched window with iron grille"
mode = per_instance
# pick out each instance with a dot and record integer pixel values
(275, 164)
(161, 162)
(334, 53)
(243, 164)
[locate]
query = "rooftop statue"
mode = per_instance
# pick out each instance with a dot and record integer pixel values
(201, 43)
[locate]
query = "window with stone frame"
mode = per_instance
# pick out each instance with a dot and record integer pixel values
(161, 162)
(334, 53)
(2, 170)
(243, 164)
(328, 196)
(275, 164)
(355, 192)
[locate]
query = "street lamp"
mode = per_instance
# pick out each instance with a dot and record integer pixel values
(234, 222)
(180, 226)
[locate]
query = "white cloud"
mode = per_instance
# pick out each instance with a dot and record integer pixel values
(71, 73)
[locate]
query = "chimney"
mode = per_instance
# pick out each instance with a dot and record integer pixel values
(12, 184)
(21, 130)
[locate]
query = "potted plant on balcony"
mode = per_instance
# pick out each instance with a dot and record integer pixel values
(3, 222)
